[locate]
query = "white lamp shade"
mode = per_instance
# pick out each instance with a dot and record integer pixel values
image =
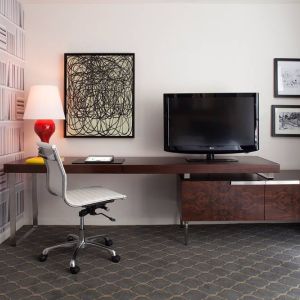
(44, 103)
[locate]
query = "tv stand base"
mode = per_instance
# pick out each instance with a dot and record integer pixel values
(210, 158)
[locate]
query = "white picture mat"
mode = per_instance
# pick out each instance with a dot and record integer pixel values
(288, 77)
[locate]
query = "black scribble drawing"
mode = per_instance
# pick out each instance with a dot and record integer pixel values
(99, 95)
(289, 120)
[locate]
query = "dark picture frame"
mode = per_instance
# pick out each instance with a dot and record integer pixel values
(285, 120)
(99, 95)
(286, 77)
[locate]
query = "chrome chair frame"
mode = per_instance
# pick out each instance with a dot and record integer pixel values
(50, 153)
(80, 242)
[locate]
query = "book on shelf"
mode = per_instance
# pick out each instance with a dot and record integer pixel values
(12, 10)
(3, 37)
(12, 105)
(12, 39)
(12, 139)
(3, 176)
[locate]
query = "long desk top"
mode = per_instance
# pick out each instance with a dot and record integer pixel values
(155, 165)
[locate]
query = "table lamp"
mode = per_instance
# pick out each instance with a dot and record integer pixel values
(44, 106)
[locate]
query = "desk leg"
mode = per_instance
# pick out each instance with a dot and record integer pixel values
(12, 207)
(34, 201)
(186, 233)
(181, 223)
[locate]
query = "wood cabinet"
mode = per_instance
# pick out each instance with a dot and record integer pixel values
(239, 197)
(282, 197)
(220, 201)
(282, 202)
(214, 197)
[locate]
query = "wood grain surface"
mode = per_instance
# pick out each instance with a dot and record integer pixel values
(219, 201)
(282, 202)
(155, 165)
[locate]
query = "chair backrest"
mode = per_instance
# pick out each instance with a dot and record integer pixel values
(56, 175)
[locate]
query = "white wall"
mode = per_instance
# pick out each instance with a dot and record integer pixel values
(179, 47)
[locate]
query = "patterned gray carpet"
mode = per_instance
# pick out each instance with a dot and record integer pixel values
(221, 262)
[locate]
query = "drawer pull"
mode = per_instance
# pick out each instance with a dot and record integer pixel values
(282, 182)
(266, 182)
(254, 182)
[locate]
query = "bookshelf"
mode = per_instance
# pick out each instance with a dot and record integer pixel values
(12, 102)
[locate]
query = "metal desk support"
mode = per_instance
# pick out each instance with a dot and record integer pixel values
(13, 212)
(12, 207)
(186, 232)
(34, 201)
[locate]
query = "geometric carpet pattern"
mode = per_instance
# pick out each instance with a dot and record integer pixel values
(247, 261)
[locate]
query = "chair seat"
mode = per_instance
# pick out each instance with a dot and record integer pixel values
(91, 195)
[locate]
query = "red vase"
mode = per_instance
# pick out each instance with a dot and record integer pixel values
(44, 129)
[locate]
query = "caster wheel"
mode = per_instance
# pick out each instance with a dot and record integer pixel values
(74, 270)
(115, 258)
(108, 242)
(43, 257)
(70, 239)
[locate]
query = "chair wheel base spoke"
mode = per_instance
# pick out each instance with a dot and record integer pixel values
(43, 257)
(115, 258)
(74, 270)
(108, 242)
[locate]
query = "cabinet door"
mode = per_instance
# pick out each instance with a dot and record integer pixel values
(282, 202)
(221, 201)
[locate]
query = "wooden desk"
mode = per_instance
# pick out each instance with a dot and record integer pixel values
(132, 165)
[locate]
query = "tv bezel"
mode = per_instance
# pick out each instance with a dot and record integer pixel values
(206, 149)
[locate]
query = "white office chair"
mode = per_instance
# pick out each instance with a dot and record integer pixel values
(89, 198)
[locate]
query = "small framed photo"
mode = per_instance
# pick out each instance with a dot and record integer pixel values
(285, 120)
(287, 77)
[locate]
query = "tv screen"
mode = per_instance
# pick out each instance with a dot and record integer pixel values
(206, 123)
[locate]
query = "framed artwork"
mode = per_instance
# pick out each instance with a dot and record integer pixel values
(285, 120)
(286, 77)
(99, 95)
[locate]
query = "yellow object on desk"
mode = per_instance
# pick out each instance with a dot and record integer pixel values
(35, 161)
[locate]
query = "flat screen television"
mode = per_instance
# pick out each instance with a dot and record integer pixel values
(211, 123)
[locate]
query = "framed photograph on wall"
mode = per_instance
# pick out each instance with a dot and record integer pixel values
(285, 120)
(99, 95)
(286, 77)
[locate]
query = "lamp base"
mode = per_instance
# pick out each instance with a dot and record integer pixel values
(44, 129)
